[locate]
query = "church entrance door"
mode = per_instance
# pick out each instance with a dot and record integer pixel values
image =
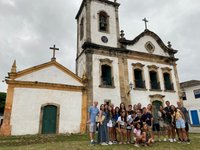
(156, 106)
(49, 119)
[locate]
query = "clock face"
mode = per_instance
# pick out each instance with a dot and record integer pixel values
(104, 39)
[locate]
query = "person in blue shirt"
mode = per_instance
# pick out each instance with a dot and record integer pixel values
(93, 112)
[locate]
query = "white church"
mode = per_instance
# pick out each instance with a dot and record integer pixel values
(51, 99)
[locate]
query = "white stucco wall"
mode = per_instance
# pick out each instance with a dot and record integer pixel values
(27, 106)
(51, 74)
(101, 94)
(140, 46)
(143, 96)
(81, 65)
(191, 102)
(96, 7)
(81, 41)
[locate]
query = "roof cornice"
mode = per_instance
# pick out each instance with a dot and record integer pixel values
(115, 4)
(154, 36)
(87, 46)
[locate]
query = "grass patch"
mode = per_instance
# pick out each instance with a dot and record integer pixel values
(79, 142)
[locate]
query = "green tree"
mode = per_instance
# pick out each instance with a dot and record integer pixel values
(2, 101)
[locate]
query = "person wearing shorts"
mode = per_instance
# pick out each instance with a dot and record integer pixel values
(93, 112)
(186, 116)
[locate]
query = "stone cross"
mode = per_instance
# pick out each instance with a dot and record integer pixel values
(145, 21)
(54, 49)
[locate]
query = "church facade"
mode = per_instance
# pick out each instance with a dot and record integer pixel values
(120, 70)
(49, 98)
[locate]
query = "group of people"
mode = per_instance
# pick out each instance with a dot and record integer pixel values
(137, 124)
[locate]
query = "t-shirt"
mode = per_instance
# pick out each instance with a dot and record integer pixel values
(137, 132)
(185, 113)
(168, 117)
(129, 119)
(148, 118)
(93, 111)
(120, 121)
(139, 120)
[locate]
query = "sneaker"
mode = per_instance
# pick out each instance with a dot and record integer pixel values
(110, 143)
(171, 140)
(104, 143)
(92, 142)
(179, 141)
(188, 143)
(120, 142)
(136, 145)
(165, 140)
(159, 140)
(174, 140)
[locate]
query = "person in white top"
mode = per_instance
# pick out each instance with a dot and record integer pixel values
(130, 125)
(122, 127)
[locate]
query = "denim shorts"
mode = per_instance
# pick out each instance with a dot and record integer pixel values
(180, 124)
(92, 127)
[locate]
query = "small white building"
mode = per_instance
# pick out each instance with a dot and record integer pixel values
(191, 100)
(44, 99)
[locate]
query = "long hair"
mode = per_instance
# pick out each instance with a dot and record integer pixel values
(120, 107)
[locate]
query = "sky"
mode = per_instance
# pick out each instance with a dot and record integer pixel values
(29, 27)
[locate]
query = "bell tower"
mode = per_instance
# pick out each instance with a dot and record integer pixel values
(97, 22)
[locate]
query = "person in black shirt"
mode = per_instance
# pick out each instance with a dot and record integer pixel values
(168, 120)
(129, 111)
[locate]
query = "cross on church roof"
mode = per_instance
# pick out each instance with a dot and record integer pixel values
(54, 49)
(145, 21)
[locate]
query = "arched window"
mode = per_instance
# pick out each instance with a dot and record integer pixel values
(106, 75)
(103, 22)
(167, 82)
(82, 28)
(154, 80)
(139, 83)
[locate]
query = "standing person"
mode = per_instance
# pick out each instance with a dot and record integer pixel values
(130, 125)
(122, 107)
(149, 119)
(135, 108)
(115, 126)
(180, 123)
(139, 106)
(110, 124)
(102, 137)
(122, 127)
(173, 125)
(92, 113)
(161, 118)
(129, 111)
(168, 120)
(156, 125)
(186, 116)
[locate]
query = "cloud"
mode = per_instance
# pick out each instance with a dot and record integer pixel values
(29, 28)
